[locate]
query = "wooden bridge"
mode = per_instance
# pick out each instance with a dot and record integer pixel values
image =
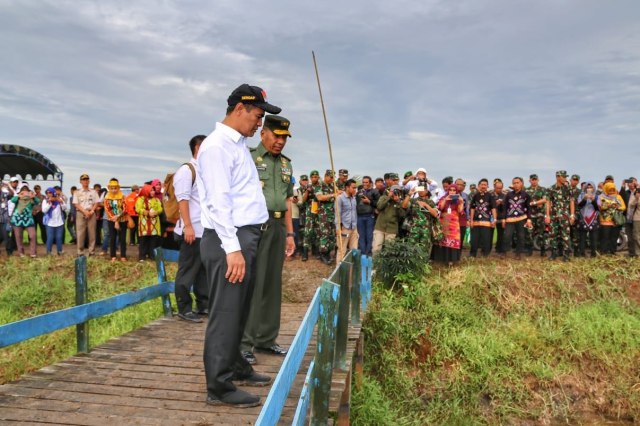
(155, 375)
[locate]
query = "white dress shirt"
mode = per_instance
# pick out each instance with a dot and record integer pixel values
(56, 218)
(228, 185)
(186, 190)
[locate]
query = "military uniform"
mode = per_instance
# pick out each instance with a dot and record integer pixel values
(326, 220)
(558, 239)
(340, 184)
(536, 235)
(310, 233)
(275, 173)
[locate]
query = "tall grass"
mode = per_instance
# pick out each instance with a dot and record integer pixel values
(30, 287)
(501, 343)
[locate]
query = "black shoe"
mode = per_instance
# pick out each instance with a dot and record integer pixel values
(249, 357)
(203, 312)
(543, 253)
(553, 256)
(237, 398)
(254, 379)
(189, 316)
(305, 254)
(325, 258)
(565, 258)
(593, 254)
(274, 349)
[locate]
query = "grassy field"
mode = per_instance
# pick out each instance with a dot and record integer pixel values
(29, 287)
(505, 342)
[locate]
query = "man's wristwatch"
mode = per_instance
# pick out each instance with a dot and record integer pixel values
(290, 234)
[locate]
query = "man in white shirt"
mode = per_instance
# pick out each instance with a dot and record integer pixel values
(234, 214)
(188, 233)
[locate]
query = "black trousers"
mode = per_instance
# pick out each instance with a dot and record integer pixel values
(500, 237)
(509, 230)
(133, 233)
(631, 246)
(117, 235)
(146, 245)
(481, 239)
(190, 273)
(609, 239)
(229, 306)
(593, 241)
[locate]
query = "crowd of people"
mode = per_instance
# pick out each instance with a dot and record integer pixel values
(100, 221)
(240, 213)
(569, 218)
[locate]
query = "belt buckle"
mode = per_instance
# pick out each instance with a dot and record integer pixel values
(277, 215)
(264, 227)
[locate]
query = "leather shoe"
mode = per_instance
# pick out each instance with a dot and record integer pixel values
(274, 349)
(189, 316)
(254, 379)
(237, 398)
(249, 357)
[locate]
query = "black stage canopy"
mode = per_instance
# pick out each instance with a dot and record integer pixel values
(27, 163)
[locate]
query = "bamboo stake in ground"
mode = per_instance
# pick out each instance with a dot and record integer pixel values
(326, 128)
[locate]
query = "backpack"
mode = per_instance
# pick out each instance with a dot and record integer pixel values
(170, 206)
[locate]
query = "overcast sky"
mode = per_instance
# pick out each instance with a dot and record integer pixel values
(487, 88)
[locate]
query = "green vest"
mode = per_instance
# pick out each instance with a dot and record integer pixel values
(275, 174)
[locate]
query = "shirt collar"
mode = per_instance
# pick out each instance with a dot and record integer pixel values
(231, 133)
(262, 151)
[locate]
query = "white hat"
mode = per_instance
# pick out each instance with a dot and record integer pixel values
(423, 170)
(14, 179)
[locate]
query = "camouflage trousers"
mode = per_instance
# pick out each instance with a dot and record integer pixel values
(310, 238)
(326, 236)
(420, 234)
(536, 235)
(560, 236)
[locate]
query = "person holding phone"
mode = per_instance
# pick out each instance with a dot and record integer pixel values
(53, 218)
(451, 207)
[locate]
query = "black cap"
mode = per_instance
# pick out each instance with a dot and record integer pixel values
(608, 177)
(277, 124)
(252, 95)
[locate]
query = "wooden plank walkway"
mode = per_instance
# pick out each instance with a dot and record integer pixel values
(151, 376)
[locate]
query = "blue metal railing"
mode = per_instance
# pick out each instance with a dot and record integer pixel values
(349, 282)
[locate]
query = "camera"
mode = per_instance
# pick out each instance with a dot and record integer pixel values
(455, 198)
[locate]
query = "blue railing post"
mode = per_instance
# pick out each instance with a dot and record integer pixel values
(323, 369)
(355, 287)
(82, 329)
(162, 277)
(342, 331)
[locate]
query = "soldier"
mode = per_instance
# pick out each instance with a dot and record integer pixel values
(326, 217)
(343, 176)
(536, 234)
(302, 213)
(575, 193)
(275, 172)
(310, 239)
(560, 215)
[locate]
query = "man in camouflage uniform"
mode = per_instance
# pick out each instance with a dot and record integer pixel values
(302, 210)
(536, 234)
(343, 176)
(575, 193)
(560, 215)
(326, 217)
(310, 239)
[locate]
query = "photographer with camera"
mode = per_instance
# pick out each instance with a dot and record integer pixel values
(367, 200)
(53, 207)
(390, 213)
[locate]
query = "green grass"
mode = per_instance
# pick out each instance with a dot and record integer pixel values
(502, 343)
(30, 287)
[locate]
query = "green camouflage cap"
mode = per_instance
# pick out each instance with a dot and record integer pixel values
(393, 176)
(562, 173)
(533, 176)
(343, 172)
(575, 177)
(304, 177)
(314, 173)
(407, 173)
(329, 172)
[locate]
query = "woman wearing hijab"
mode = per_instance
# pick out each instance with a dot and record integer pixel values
(588, 222)
(451, 208)
(22, 218)
(608, 202)
(53, 219)
(116, 216)
(149, 209)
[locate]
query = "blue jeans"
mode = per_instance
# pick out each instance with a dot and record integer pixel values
(105, 235)
(54, 233)
(365, 232)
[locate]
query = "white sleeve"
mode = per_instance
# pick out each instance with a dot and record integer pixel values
(182, 183)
